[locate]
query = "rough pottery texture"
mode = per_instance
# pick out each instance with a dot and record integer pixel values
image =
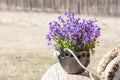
(70, 65)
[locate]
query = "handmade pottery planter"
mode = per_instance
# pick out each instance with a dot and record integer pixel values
(70, 65)
(75, 34)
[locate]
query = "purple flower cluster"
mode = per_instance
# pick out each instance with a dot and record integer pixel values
(74, 33)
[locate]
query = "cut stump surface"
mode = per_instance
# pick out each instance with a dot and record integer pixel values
(56, 72)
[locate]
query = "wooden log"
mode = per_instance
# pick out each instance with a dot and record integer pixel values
(90, 9)
(114, 7)
(48, 5)
(109, 66)
(35, 5)
(117, 4)
(118, 8)
(73, 6)
(12, 4)
(81, 8)
(78, 6)
(20, 5)
(56, 72)
(58, 5)
(27, 5)
(66, 5)
(85, 7)
(94, 7)
(3, 5)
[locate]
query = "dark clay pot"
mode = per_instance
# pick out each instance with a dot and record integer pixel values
(70, 65)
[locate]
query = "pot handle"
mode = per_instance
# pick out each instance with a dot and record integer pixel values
(90, 73)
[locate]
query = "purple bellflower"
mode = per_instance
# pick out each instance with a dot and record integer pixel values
(73, 33)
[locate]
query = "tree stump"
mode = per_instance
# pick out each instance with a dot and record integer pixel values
(108, 69)
(56, 72)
